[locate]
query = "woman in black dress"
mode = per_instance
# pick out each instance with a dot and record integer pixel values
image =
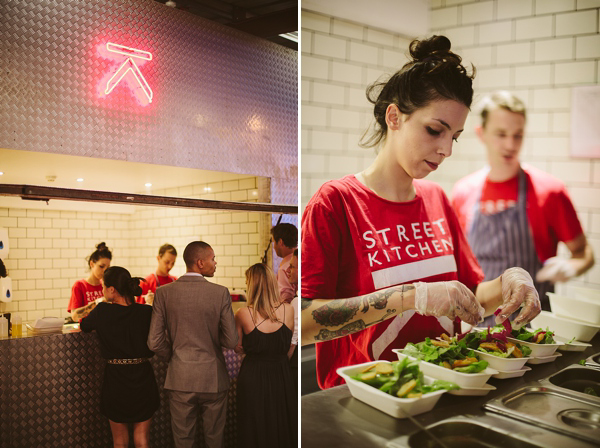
(267, 402)
(129, 392)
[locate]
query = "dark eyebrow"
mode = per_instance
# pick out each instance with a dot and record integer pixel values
(446, 124)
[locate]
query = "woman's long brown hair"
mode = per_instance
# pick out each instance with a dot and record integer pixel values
(263, 291)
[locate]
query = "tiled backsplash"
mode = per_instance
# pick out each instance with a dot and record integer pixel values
(48, 247)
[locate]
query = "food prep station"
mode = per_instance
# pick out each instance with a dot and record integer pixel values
(545, 407)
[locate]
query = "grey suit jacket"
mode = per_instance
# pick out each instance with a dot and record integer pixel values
(192, 319)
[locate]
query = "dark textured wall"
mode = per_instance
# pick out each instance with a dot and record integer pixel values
(223, 100)
(50, 394)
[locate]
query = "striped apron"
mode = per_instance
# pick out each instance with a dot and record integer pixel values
(503, 240)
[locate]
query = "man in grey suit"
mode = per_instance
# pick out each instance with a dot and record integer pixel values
(191, 321)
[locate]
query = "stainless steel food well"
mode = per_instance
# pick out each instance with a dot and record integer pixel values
(593, 361)
(558, 409)
(487, 431)
(577, 378)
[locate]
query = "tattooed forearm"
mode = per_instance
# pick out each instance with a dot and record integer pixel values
(82, 312)
(353, 327)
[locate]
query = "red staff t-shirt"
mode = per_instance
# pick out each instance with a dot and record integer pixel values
(150, 284)
(83, 293)
(355, 242)
(550, 212)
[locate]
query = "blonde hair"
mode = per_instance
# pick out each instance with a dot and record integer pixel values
(263, 291)
(502, 99)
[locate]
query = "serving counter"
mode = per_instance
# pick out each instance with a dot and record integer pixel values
(50, 394)
(333, 417)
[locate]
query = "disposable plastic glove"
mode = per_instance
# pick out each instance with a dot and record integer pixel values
(149, 298)
(556, 270)
(518, 290)
(451, 299)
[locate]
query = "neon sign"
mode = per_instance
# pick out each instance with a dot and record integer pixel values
(129, 66)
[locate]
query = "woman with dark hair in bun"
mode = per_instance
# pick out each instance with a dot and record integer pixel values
(85, 293)
(129, 392)
(384, 260)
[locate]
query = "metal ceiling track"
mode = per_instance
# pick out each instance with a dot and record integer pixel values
(38, 193)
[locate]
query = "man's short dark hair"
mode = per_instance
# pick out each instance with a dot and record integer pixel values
(195, 251)
(286, 232)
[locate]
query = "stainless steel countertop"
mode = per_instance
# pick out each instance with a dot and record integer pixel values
(333, 417)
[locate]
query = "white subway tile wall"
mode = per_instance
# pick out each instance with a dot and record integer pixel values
(539, 50)
(48, 247)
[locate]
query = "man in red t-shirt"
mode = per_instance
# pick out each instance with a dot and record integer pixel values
(167, 254)
(513, 214)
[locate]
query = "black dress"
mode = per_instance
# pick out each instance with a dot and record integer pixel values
(129, 392)
(267, 403)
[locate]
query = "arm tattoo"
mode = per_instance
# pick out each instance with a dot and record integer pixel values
(304, 303)
(352, 327)
(378, 299)
(336, 312)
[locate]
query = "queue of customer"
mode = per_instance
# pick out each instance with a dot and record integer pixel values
(189, 323)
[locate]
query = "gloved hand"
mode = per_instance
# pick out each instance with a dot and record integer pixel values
(149, 298)
(556, 270)
(451, 299)
(518, 290)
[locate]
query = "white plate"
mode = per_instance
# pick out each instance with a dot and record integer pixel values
(537, 350)
(394, 406)
(504, 374)
(460, 378)
(497, 363)
(483, 390)
(573, 346)
(44, 330)
(543, 359)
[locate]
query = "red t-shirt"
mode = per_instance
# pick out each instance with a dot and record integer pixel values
(83, 293)
(550, 212)
(355, 242)
(149, 284)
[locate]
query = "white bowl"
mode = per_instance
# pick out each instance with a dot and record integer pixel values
(565, 327)
(583, 309)
(544, 359)
(460, 378)
(503, 374)
(497, 363)
(473, 391)
(394, 406)
(537, 350)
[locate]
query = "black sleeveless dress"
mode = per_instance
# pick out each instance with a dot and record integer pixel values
(267, 403)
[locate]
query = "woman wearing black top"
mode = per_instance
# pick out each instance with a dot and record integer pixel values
(129, 392)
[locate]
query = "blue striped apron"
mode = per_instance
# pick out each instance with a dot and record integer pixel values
(504, 240)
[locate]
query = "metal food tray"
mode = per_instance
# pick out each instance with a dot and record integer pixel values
(553, 408)
(485, 431)
(576, 378)
(593, 361)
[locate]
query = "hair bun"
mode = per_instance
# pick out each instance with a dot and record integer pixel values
(101, 246)
(435, 47)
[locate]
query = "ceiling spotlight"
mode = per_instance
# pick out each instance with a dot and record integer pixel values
(171, 4)
(80, 179)
(148, 184)
(1, 173)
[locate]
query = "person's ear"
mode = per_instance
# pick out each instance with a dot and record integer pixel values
(158, 258)
(393, 117)
(479, 132)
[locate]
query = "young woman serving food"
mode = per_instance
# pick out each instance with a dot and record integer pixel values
(385, 261)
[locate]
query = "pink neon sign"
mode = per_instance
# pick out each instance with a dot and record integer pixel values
(127, 66)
